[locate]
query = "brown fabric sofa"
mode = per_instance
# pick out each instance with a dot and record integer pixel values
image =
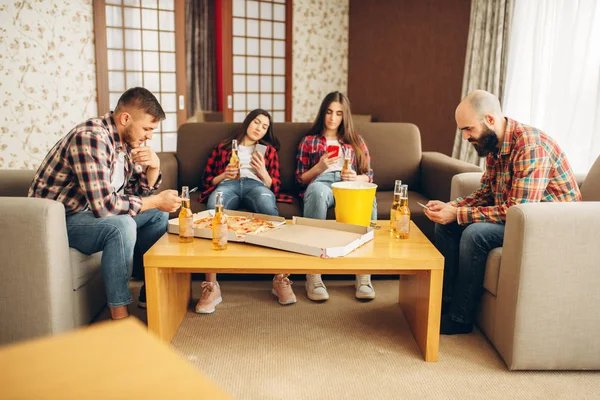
(395, 154)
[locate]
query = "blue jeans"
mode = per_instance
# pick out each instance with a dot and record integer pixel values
(245, 192)
(318, 197)
(465, 250)
(118, 237)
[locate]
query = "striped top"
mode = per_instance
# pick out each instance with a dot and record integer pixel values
(530, 167)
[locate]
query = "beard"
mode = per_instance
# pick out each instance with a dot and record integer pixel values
(486, 144)
(127, 137)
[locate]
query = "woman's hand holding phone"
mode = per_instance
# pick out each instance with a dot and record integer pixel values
(258, 163)
(327, 160)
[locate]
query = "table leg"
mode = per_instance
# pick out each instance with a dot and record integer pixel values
(167, 296)
(421, 300)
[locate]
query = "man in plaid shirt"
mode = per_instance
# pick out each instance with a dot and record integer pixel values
(105, 180)
(523, 165)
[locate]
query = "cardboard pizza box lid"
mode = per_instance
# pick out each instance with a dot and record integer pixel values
(319, 238)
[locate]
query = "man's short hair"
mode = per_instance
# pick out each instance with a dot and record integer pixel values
(143, 99)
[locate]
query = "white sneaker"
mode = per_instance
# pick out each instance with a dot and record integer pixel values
(315, 289)
(364, 289)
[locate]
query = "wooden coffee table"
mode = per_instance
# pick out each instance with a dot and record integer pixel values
(109, 360)
(169, 265)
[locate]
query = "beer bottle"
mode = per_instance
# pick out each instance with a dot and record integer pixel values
(402, 215)
(235, 157)
(395, 205)
(186, 218)
(347, 160)
(219, 225)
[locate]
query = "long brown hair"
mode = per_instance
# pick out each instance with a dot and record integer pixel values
(268, 139)
(346, 132)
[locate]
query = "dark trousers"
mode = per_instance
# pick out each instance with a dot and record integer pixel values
(465, 250)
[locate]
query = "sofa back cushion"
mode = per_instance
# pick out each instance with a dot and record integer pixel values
(195, 141)
(590, 190)
(16, 182)
(395, 150)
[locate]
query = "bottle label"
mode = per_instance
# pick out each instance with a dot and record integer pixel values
(221, 234)
(187, 229)
(402, 223)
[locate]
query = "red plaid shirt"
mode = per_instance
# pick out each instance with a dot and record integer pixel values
(312, 148)
(218, 161)
(529, 168)
(78, 172)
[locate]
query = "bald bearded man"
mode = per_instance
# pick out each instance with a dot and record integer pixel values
(523, 165)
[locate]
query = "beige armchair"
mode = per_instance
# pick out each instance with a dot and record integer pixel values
(541, 289)
(46, 287)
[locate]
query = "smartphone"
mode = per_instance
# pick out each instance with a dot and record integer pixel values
(423, 205)
(261, 148)
(333, 149)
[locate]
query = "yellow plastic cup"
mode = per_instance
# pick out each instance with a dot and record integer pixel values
(354, 202)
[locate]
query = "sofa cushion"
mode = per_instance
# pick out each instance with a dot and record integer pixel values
(590, 190)
(395, 152)
(492, 271)
(397, 147)
(84, 267)
(15, 182)
(195, 142)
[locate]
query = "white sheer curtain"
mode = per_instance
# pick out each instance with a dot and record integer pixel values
(553, 76)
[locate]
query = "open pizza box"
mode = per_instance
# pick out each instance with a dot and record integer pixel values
(314, 237)
(206, 233)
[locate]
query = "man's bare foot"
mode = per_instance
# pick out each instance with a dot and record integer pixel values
(119, 312)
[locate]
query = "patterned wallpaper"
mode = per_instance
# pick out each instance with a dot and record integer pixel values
(47, 76)
(320, 54)
(48, 72)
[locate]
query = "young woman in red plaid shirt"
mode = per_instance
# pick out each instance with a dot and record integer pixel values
(256, 189)
(317, 169)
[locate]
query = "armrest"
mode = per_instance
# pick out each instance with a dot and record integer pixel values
(437, 170)
(36, 286)
(465, 184)
(547, 299)
(169, 167)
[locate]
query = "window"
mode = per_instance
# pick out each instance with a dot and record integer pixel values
(257, 69)
(141, 43)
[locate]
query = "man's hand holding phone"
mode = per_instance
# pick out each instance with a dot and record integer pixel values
(423, 205)
(440, 212)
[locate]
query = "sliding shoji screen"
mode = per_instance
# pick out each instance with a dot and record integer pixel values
(142, 43)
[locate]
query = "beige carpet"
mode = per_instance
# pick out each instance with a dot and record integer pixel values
(344, 349)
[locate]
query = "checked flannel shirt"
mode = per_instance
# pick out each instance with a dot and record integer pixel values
(530, 167)
(78, 172)
(312, 148)
(218, 161)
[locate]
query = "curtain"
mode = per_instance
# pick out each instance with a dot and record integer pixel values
(486, 60)
(553, 80)
(200, 56)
